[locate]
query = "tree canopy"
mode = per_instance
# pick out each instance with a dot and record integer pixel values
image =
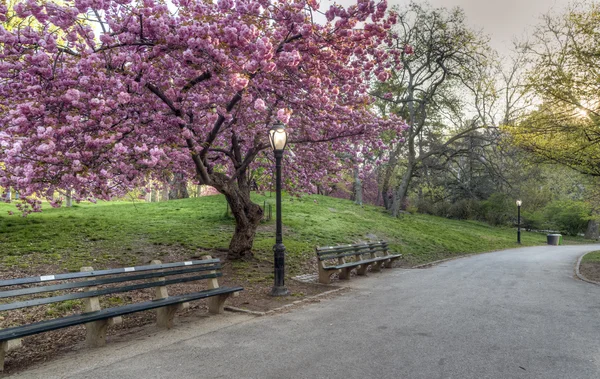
(105, 95)
(565, 78)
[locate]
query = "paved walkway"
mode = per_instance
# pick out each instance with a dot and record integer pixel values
(512, 314)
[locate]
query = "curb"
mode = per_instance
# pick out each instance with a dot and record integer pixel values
(580, 275)
(284, 307)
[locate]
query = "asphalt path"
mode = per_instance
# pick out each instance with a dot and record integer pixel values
(517, 313)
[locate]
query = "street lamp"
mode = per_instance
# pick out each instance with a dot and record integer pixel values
(519, 202)
(278, 138)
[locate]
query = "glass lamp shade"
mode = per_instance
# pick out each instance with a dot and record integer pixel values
(278, 136)
(519, 202)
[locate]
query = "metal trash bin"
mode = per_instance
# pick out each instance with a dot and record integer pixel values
(554, 239)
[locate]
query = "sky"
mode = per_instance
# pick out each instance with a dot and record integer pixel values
(502, 20)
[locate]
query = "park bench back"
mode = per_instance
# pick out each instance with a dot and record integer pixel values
(342, 251)
(112, 276)
(361, 256)
(33, 291)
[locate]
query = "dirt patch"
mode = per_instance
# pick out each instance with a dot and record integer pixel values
(253, 275)
(590, 270)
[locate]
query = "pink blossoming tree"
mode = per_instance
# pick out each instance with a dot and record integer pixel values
(101, 96)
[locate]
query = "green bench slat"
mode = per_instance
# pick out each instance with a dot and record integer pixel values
(88, 274)
(366, 251)
(44, 326)
(346, 248)
(105, 291)
(358, 263)
(97, 282)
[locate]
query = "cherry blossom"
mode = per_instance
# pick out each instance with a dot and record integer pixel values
(101, 96)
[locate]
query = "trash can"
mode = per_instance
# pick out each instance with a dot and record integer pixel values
(554, 239)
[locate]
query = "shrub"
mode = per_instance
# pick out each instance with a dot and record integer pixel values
(570, 216)
(534, 220)
(425, 206)
(465, 209)
(499, 209)
(442, 209)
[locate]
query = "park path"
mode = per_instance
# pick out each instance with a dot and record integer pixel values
(510, 314)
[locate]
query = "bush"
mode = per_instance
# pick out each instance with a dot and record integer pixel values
(442, 209)
(426, 207)
(570, 217)
(534, 220)
(466, 209)
(499, 209)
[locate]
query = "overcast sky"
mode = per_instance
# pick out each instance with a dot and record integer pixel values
(500, 19)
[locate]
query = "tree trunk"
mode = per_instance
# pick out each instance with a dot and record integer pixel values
(358, 193)
(69, 199)
(178, 188)
(164, 193)
(400, 195)
(389, 170)
(592, 232)
(247, 217)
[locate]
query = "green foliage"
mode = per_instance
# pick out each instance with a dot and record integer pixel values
(465, 209)
(591, 257)
(127, 233)
(534, 220)
(563, 77)
(499, 209)
(569, 216)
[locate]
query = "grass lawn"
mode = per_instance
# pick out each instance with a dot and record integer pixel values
(127, 233)
(591, 257)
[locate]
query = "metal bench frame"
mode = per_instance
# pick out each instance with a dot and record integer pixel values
(97, 320)
(377, 254)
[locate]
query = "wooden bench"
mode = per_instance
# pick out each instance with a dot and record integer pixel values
(344, 258)
(85, 285)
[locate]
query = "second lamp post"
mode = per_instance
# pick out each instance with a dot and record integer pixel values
(278, 138)
(519, 202)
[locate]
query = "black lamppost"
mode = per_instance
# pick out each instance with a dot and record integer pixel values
(519, 202)
(278, 138)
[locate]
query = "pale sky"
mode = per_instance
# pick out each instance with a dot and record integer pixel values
(500, 19)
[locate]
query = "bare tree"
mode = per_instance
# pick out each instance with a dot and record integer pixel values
(446, 55)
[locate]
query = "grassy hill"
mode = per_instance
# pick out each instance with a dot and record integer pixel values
(136, 232)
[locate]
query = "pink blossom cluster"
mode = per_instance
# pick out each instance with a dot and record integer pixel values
(100, 109)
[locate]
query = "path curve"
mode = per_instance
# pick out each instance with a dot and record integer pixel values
(517, 313)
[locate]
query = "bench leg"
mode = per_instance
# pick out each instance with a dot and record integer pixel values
(5, 347)
(345, 273)
(216, 304)
(95, 333)
(376, 267)
(325, 275)
(388, 263)
(166, 315)
(362, 269)
(3, 350)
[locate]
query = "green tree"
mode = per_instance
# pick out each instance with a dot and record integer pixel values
(565, 78)
(441, 54)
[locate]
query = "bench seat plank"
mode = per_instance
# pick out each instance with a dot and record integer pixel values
(365, 261)
(44, 326)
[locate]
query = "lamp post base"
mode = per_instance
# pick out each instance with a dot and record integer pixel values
(279, 291)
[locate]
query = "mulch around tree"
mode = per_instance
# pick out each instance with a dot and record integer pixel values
(50, 345)
(590, 270)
